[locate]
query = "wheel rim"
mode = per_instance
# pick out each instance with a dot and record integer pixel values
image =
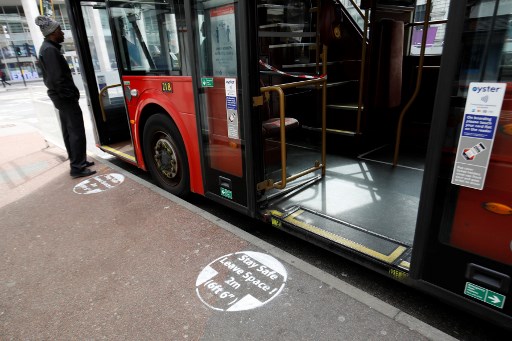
(166, 160)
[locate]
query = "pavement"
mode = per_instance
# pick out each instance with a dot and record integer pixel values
(115, 257)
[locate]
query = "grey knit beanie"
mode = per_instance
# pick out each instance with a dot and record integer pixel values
(46, 24)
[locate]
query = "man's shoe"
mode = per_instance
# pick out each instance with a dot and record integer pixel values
(82, 173)
(88, 163)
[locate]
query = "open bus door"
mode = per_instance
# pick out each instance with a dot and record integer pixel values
(222, 88)
(335, 184)
(102, 79)
(463, 244)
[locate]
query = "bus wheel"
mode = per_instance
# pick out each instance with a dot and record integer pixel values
(165, 155)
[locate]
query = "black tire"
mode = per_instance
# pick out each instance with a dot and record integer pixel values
(165, 156)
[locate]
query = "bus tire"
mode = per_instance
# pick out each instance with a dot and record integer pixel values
(165, 156)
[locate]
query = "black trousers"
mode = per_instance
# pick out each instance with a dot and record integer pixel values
(73, 131)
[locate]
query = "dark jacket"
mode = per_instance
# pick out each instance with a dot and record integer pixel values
(56, 73)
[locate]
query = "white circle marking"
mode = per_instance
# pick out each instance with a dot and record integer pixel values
(99, 183)
(241, 281)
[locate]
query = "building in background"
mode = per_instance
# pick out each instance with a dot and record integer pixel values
(20, 38)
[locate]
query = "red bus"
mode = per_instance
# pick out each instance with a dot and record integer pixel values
(381, 130)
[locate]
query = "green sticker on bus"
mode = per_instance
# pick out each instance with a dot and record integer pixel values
(486, 295)
(226, 193)
(207, 82)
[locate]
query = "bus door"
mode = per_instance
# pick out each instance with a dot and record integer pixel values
(223, 101)
(101, 77)
(463, 245)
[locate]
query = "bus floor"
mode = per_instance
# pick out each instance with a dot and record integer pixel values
(362, 203)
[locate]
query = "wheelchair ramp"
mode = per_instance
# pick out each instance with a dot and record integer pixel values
(344, 235)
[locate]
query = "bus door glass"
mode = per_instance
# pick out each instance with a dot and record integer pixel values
(468, 249)
(112, 121)
(219, 47)
(74, 64)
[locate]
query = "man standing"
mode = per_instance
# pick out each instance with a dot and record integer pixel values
(64, 95)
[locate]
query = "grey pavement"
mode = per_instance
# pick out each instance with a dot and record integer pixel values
(30, 105)
(114, 257)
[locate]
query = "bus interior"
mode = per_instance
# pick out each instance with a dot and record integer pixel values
(377, 120)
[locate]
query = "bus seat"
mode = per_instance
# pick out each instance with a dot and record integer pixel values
(388, 85)
(271, 127)
(272, 124)
(271, 131)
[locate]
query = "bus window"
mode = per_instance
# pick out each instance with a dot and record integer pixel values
(148, 37)
(219, 64)
(217, 41)
(436, 31)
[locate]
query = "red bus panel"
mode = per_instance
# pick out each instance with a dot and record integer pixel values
(178, 104)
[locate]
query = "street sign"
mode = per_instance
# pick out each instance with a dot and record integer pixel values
(485, 295)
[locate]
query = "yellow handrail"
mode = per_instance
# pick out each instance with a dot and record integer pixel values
(362, 75)
(418, 82)
(103, 114)
(282, 129)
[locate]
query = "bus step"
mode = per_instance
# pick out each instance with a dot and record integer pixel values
(344, 234)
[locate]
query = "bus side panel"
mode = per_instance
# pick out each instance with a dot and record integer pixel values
(179, 104)
(503, 140)
(481, 224)
(483, 219)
